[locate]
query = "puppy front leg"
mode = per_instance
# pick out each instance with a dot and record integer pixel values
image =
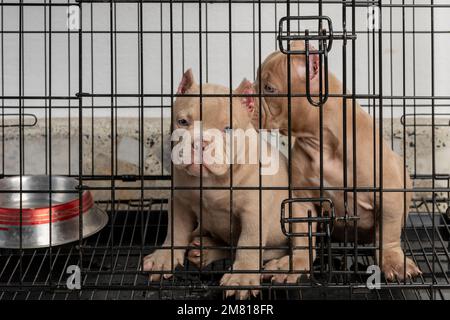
(203, 257)
(300, 257)
(161, 260)
(247, 259)
(394, 263)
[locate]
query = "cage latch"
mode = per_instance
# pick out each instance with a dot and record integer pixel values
(31, 122)
(325, 222)
(325, 38)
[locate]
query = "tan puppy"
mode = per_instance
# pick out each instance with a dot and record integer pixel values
(306, 155)
(246, 230)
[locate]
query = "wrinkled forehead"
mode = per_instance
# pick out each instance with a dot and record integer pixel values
(212, 111)
(273, 66)
(276, 65)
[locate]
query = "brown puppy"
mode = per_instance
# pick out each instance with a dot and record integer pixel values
(306, 155)
(212, 206)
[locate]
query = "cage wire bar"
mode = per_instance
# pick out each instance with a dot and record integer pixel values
(98, 107)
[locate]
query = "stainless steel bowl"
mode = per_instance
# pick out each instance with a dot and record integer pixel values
(26, 215)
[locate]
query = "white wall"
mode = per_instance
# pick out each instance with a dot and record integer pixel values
(216, 68)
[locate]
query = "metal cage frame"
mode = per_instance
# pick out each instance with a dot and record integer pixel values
(110, 261)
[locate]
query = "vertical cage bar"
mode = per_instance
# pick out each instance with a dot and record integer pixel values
(288, 57)
(354, 134)
(380, 106)
(260, 140)
(172, 114)
(172, 193)
(433, 156)
(344, 134)
(372, 83)
(321, 127)
(391, 71)
(50, 164)
(230, 79)
(161, 39)
(2, 39)
(200, 49)
(21, 142)
(80, 132)
(69, 102)
(405, 209)
(92, 88)
(141, 123)
(45, 89)
(112, 124)
(414, 86)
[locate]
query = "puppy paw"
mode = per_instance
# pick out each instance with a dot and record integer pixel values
(161, 260)
(282, 264)
(394, 266)
(235, 279)
(204, 257)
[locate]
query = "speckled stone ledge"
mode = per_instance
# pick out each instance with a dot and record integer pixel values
(96, 150)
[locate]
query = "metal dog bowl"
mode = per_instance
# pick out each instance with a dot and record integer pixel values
(27, 215)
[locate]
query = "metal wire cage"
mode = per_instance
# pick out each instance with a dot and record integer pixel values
(87, 89)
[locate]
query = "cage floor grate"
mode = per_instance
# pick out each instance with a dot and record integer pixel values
(111, 260)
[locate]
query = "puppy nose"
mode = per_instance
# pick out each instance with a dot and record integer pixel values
(196, 144)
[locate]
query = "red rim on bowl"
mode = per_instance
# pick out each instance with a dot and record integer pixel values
(33, 216)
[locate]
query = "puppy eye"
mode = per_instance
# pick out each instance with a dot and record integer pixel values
(269, 89)
(183, 122)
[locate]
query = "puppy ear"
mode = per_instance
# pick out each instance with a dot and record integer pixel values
(186, 82)
(246, 87)
(313, 60)
(313, 64)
